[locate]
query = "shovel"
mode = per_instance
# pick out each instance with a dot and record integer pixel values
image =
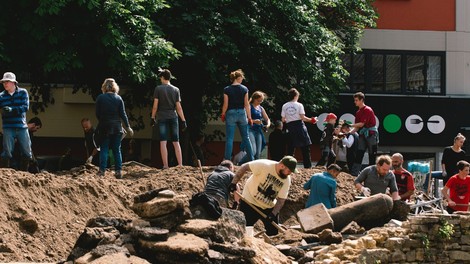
(276, 225)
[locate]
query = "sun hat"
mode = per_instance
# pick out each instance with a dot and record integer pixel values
(8, 76)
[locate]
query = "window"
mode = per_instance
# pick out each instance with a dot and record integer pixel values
(395, 72)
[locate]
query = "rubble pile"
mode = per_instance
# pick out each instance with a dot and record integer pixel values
(167, 233)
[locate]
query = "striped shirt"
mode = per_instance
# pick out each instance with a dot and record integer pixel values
(19, 103)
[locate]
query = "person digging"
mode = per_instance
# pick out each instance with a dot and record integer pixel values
(265, 191)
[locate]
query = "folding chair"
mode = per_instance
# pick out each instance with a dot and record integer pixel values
(425, 201)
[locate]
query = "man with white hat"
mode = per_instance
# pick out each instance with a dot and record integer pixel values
(14, 103)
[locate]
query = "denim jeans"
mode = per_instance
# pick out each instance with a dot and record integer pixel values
(168, 127)
(24, 142)
(113, 142)
(234, 118)
(256, 139)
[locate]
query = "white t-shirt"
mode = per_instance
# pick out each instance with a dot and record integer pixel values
(292, 111)
(265, 185)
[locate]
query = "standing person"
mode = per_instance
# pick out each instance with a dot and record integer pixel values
(218, 183)
(167, 104)
(14, 103)
(322, 187)
(345, 145)
(365, 125)
(277, 142)
(459, 188)
(267, 189)
(327, 154)
(450, 157)
(293, 114)
(110, 111)
(236, 112)
(256, 131)
(377, 178)
(91, 146)
(405, 181)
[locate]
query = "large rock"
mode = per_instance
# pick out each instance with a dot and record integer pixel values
(91, 238)
(228, 228)
(179, 248)
(116, 258)
(150, 233)
(171, 220)
(314, 219)
(265, 253)
(160, 206)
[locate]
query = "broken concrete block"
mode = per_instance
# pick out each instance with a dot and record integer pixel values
(314, 219)
(150, 233)
(179, 248)
(160, 206)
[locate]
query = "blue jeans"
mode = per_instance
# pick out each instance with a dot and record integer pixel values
(24, 142)
(113, 142)
(168, 127)
(256, 139)
(234, 118)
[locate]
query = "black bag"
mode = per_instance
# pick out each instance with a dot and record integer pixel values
(209, 204)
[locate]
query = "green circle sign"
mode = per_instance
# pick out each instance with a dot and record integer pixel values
(392, 123)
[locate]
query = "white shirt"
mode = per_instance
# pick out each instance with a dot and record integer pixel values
(264, 185)
(291, 111)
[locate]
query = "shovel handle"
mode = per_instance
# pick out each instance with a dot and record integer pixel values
(276, 225)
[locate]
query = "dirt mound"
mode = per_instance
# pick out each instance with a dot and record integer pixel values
(43, 214)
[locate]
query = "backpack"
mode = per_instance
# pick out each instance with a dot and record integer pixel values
(210, 205)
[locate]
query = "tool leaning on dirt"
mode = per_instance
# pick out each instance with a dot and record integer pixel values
(276, 225)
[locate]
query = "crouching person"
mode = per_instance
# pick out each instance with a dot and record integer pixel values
(266, 189)
(218, 183)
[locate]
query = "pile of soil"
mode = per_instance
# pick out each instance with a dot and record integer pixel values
(43, 214)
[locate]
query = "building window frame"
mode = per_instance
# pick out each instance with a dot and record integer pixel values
(416, 83)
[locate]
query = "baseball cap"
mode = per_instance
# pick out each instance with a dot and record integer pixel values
(290, 162)
(8, 76)
(330, 116)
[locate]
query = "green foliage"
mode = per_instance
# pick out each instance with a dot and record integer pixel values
(278, 43)
(82, 42)
(445, 231)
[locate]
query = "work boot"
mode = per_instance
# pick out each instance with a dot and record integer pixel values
(118, 175)
(100, 174)
(24, 164)
(4, 163)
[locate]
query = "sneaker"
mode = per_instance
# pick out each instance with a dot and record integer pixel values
(100, 173)
(118, 175)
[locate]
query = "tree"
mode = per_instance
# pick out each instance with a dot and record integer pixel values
(278, 43)
(82, 42)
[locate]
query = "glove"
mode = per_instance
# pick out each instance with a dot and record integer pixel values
(313, 120)
(153, 121)
(88, 161)
(222, 116)
(232, 187)
(183, 126)
(365, 191)
(444, 174)
(271, 217)
(130, 131)
(7, 109)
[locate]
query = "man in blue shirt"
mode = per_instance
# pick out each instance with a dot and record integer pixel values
(322, 187)
(14, 103)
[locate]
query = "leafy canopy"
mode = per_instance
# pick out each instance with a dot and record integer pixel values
(278, 43)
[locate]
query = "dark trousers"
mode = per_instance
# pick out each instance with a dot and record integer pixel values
(305, 155)
(251, 217)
